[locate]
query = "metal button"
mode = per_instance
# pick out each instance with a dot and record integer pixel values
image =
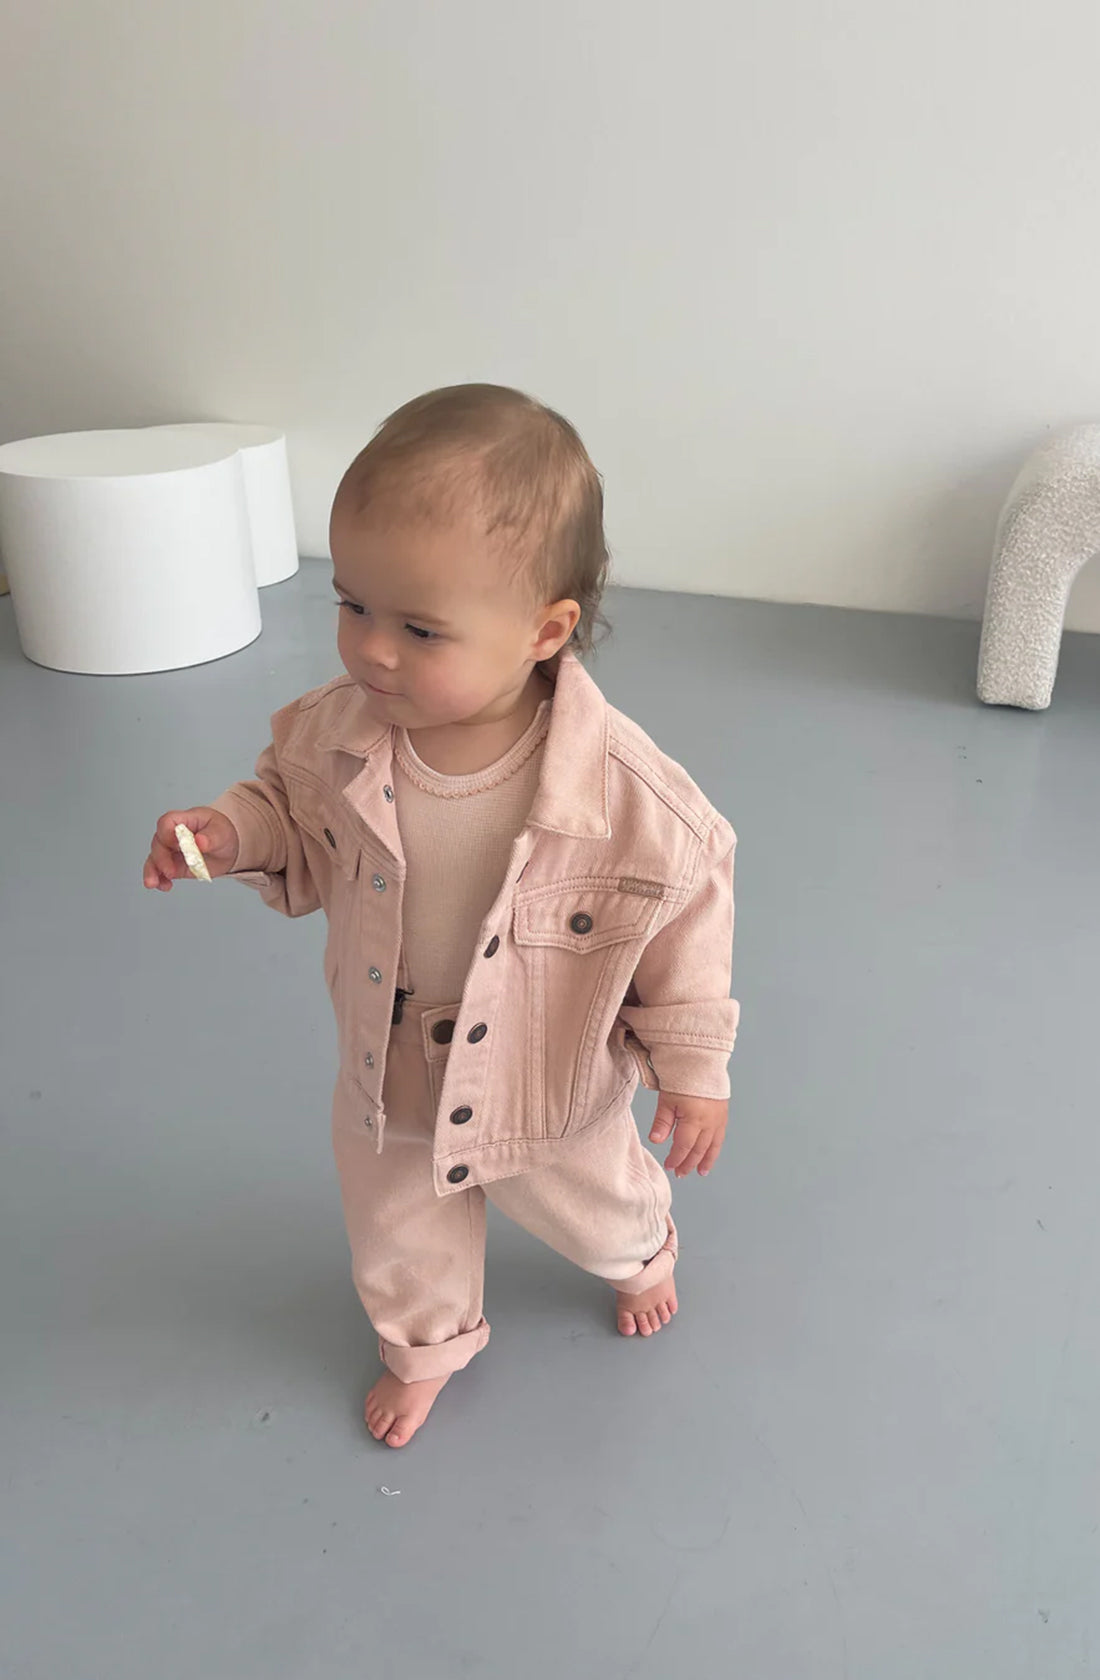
(476, 1034)
(369, 1058)
(457, 1174)
(331, 838)
(387, 795)
(378, 883)
(581, 923)
(369, 1123)
(376, 976)
(461, 1115)
(493, 947)
(443, 1032)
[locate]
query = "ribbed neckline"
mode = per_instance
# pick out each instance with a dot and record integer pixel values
(478, 781)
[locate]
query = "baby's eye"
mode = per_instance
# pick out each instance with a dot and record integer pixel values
(351, 607)
(422, 635)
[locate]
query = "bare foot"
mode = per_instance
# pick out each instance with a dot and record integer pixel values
(395, 1410)
(643, 1315)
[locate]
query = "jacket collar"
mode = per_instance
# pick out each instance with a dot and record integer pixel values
(571, 798)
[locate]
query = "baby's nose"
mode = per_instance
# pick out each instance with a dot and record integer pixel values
(377, 649)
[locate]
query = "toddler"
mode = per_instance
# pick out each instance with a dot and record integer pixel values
(529, 906)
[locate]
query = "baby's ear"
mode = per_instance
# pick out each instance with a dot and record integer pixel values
(559, 621)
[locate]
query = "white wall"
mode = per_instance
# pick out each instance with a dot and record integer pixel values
(810, 278)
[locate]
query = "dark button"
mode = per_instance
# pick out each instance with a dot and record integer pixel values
(387, 793)
(493, 947)
(443, 1032)
(581, 923)
(476, 1034)
(461, 1115)
(330, 837)
(457, 1174)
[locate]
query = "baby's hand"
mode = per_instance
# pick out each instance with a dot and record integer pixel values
(700, 1126)
(215, 837)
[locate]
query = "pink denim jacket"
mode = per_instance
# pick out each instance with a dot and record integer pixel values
(605, 958)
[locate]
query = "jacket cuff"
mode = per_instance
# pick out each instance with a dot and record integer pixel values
(691, 1072)
(259, 840)
(686, 1047)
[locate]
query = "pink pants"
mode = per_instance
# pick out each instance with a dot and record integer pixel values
(418, 1259)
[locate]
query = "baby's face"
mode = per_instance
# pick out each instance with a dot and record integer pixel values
(431, 626)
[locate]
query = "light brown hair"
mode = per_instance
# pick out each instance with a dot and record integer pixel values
(534, 484)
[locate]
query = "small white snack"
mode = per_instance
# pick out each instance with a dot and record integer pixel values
(192, 857)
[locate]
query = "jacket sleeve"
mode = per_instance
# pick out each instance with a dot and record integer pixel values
(678, 1004)
(270, 853)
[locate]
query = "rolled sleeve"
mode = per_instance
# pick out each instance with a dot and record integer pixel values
(679, 1005)
(270, 855)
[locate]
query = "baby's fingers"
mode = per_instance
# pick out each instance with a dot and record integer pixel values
(696, 1156)
(683, 1144)
(710, 1157)
(153, 878)
(163, 865)
(663, 1122)
(166, 828)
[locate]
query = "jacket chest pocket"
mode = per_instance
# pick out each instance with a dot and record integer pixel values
(318, 812)
(578, 944)
(583, 916)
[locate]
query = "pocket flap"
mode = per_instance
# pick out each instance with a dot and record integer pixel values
(583, 917)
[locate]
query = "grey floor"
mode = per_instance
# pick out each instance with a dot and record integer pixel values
(869, 1445)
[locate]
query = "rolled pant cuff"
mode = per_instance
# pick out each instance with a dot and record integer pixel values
(658, 1270)
(416, 1364)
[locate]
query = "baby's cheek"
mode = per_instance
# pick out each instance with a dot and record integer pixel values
(343, 642)
(452, 690)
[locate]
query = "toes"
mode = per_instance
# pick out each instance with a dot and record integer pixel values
(401, 1432)
(646, 1321)
(381, 1422)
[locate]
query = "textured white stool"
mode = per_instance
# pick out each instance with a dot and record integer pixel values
(128, 551)
(1049, 527)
